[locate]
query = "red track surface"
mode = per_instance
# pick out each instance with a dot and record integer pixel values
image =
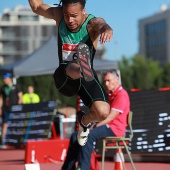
(14, 160)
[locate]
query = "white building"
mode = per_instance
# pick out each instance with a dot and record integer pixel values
(22, 32)
(154, 36)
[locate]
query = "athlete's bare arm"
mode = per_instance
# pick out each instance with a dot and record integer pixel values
(45, 10)
(98, 27)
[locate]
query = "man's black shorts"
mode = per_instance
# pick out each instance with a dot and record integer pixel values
(88, 91)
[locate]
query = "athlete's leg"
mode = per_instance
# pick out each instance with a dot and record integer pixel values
(93, 95)
(64, 84)
(98, 112)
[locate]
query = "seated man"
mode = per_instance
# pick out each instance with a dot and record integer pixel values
(114, 125)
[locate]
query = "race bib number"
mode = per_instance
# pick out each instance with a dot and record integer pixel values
(68, 51)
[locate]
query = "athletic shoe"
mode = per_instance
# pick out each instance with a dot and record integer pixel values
(83, 58)
(83, 132)
(82, 136)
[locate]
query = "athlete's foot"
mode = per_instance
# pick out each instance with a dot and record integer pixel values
(82, 136)
(84, 130)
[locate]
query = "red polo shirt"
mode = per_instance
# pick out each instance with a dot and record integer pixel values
(119, 101)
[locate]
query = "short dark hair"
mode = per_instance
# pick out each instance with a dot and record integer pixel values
(67, 2)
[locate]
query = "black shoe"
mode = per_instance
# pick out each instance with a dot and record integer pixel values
(83, 58)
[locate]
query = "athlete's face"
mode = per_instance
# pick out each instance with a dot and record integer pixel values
(111, 81)
(74, 16)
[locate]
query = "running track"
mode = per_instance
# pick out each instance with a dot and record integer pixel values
(14, 160)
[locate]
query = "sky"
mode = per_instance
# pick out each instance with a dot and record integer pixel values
(122, 15)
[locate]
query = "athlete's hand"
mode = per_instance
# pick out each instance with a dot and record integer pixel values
(106, 36)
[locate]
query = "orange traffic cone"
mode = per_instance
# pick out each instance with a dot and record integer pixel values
(118, 160)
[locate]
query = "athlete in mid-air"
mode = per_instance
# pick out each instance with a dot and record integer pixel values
(78, 36)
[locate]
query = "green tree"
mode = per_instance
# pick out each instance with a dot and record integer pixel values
(166, 75)
(146, 73)
(126, 72)
(140, 72)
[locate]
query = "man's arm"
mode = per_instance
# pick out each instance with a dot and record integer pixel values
(20, 97)
(45, 10)
(110, 117)
(100, 26)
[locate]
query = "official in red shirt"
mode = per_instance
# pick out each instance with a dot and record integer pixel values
(114, 125)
